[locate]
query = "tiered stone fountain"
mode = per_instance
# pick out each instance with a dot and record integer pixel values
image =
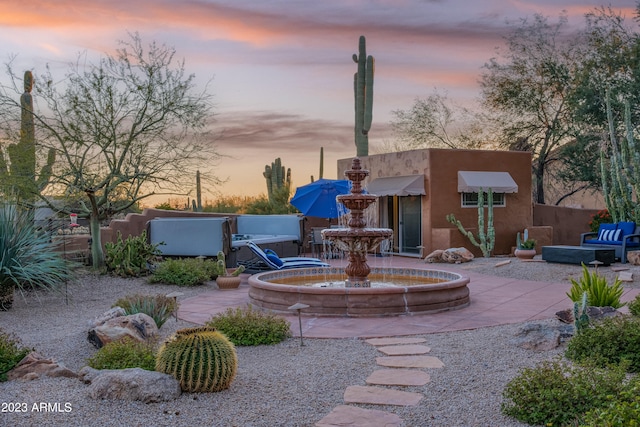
(350, 291)
(357, 240)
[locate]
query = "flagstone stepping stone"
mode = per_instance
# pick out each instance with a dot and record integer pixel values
(394, 341)
(380, 396)
(402, 377)
(395, 350)
(345, 415)
(410, 362)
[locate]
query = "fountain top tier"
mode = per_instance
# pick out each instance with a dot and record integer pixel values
(357, 240)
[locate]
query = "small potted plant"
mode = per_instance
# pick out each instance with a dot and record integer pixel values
(525, 248)
(226, 279)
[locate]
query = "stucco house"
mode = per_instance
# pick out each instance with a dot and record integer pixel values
(417, 189)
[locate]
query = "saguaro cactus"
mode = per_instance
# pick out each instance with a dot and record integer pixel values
(486, 238)
(197, 204)
(21, 171)
(363, 92)
(275, 177)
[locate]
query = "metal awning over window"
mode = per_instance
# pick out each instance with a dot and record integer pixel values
(473, 181)
(406, 185)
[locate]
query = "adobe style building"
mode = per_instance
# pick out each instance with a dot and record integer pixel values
(417, 189)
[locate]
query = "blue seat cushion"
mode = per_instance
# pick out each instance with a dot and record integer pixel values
(609, 233)
(275, 259)
(627, 228)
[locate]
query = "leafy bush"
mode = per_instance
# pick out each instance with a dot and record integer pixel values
(600, 217)
(246, 326)
(28, 260)
(556, 394)
(183, 272)
(124, 353)
(599, 293)
(622, 410)
(609, 341)
(159, 307)
(11, 352)
(634, 306)
(130, 257)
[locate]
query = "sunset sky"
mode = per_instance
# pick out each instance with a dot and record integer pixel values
(282, 70)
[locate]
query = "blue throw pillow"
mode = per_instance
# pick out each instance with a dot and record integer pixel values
(609, 233)
(275, 259)
(626, 228)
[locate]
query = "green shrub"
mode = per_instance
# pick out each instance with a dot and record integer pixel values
(599, 293)
(183, 272)
(11, 352)
(556, 394)
(622, 410)
(246, 326)
(159, 307)
(130, 257)
(634, 306)
(28, 259)
(124, 353)
(609, 341)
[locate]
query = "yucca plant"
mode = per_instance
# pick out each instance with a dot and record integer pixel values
(599, 293)
(159, 307)
(28, 260)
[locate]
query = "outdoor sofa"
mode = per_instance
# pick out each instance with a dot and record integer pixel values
(620, 236)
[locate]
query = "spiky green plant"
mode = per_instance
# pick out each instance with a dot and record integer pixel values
(277, 180)
(363, 93)
(201, 359)
(159, 307)
(28, 260)
(580, 314)
(599, 293)
(486, 238)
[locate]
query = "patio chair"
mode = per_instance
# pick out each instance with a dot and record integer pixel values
(321, 247)
(267, 259)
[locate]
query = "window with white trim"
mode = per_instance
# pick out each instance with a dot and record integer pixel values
(470, 200)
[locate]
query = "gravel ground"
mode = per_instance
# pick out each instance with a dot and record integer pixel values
(280, 385)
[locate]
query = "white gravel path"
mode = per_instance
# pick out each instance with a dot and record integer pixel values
(280, 385)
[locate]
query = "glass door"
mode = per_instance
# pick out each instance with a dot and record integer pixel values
(410, 224)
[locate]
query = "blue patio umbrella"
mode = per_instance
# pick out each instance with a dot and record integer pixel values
(319, 197)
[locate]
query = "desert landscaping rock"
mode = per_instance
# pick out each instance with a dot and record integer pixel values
(410, 362)
(139, 327)
(404, 350)
(398, 377)
(380, 396)
(352, 416)
(34, 365)
(130, 384)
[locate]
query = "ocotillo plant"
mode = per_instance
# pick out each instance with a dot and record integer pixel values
(486, 239)
(275, 177)
(21, 173)
(363, 92)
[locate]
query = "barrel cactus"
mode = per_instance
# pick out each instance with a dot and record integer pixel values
(201, 359)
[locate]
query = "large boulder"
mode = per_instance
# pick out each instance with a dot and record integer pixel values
(451, 255)
(541, 336)
(34, 366)
(137, 326)
(130, 384)
(107, 315)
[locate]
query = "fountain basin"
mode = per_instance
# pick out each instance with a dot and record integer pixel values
(419, 297)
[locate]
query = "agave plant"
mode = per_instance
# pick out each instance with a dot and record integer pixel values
(28, 260)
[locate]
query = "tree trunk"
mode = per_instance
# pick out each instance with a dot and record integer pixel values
(94, 224)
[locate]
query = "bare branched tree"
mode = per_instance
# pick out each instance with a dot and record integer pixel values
(124, 129)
